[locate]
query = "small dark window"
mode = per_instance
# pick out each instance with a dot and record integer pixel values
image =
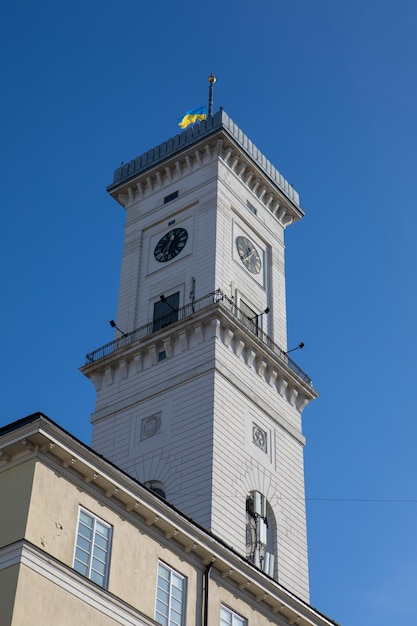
(250, 319)
(165, 311)
(170, 197)
(251, 207)
(157, 487)
(247, 315)
(162, 356)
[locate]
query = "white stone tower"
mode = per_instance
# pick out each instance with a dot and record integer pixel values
(196, 396)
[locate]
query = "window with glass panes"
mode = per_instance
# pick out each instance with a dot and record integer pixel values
(165, 311)
(92, 549)
(230, 618)
(170, 597)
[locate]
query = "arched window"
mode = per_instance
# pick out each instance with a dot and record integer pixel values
(157, 487)
(260, 526)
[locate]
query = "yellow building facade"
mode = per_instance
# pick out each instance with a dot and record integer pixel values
(155, 559)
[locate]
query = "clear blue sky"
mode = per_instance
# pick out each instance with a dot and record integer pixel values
(327, 90)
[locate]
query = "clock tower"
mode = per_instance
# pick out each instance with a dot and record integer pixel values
(197, 396)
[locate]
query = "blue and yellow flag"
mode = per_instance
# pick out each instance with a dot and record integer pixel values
(193, 115)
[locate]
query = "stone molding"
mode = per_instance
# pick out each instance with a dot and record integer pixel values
(64, 577)
(193, 134)
(212, 322)
(163, 165)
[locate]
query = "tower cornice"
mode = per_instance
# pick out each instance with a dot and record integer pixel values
(217, 137)
(214, 317)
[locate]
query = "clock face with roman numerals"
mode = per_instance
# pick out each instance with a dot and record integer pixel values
(170, 245)
(249, 255)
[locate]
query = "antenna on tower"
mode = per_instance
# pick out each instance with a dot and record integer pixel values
(211, 80)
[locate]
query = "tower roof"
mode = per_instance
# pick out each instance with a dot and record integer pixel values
(195, 134)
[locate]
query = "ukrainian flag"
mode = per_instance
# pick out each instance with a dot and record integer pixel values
(193, 115)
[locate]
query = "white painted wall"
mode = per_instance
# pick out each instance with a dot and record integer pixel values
(205, 395)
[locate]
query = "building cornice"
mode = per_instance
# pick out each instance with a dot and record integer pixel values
(218, 137)
(217, 321)
(25, 553)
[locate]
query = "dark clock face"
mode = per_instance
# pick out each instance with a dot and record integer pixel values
(170, 245)
(248, 255)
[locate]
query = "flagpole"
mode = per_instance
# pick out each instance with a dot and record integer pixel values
(211, 80)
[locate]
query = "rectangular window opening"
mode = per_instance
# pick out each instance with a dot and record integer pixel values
(170, 597)
(92, 548)
(252, 320)
(171, 197)
(246, 311)
(251, 207)
(248, 316)
(165, 311)
(230, 618)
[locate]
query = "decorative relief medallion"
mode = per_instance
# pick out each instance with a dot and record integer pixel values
(259, 438)
(150, 426)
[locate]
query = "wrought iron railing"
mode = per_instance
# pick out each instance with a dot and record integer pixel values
(186, 311)
(144, 331)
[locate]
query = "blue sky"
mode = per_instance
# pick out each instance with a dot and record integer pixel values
(327, 90)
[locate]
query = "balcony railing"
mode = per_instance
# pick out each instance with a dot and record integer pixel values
(186, 311)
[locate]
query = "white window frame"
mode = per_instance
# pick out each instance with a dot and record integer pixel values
(96, 548)
(165, 585)
(230, 618)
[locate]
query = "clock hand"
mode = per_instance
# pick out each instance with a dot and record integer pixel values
(250, 255)
(167, 247)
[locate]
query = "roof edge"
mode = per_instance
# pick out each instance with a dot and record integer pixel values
(193, 134)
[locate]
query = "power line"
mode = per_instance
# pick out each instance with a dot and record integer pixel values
(383, 500)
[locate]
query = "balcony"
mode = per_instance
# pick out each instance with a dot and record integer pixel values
(216, 298)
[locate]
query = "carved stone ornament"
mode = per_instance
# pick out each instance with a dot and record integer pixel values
(259, 438)
(150, 426)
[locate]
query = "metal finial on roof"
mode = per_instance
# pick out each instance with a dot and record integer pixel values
(211, 80)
